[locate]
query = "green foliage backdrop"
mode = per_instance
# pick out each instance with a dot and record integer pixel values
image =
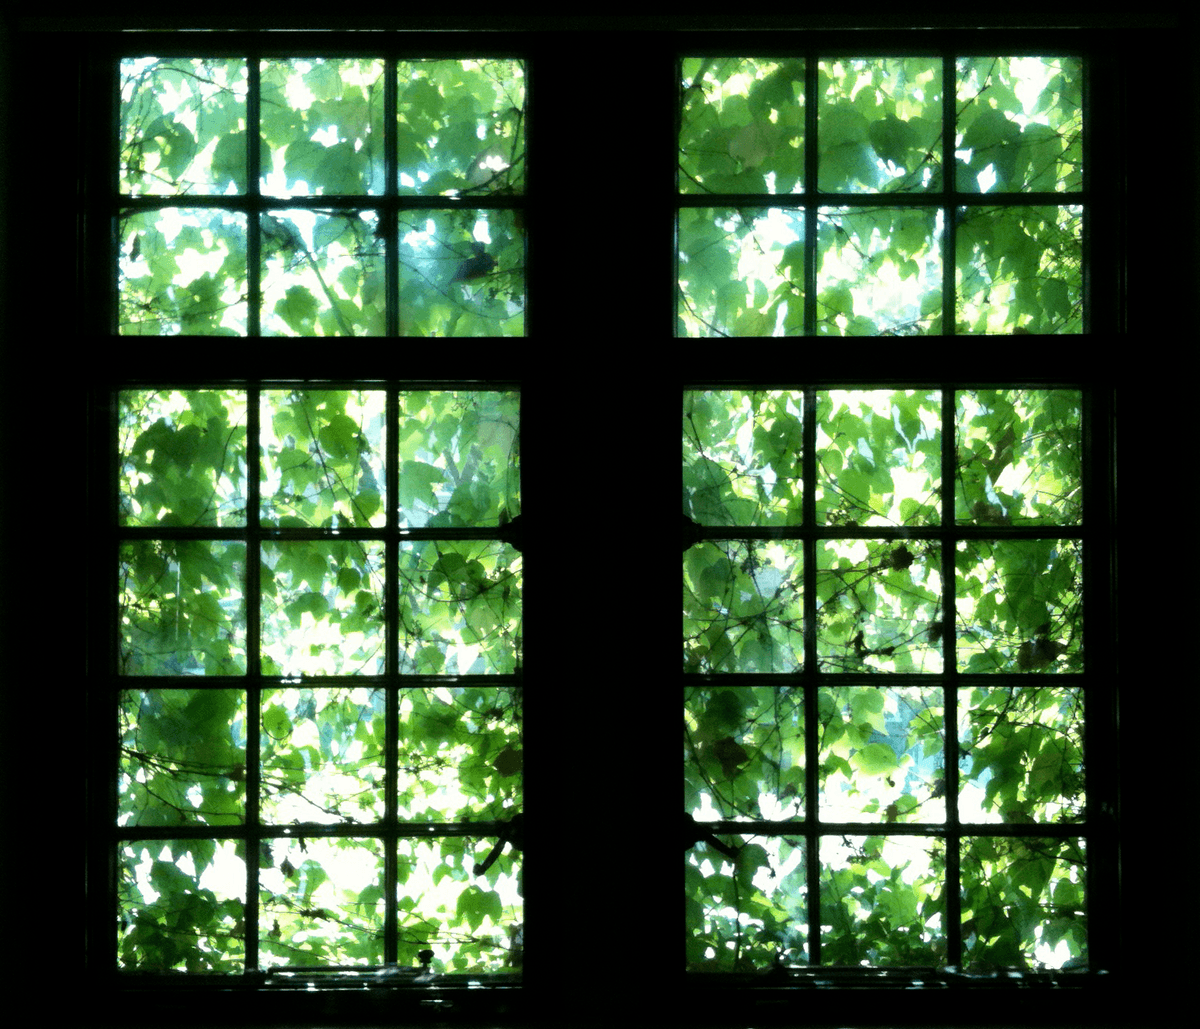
(322, 717)
(1016, 621)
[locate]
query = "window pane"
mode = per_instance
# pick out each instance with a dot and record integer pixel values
(880, 124)
(882, 754)
(182, 270)
(182, 457)
(741, 457)
(183, 757)
(1024, 903)
(1020, 124)
(883, 901)
(743, 752)
(879, 271)
(322, 127)
(461, 127)
(879, 457)
(460, 608)
(462, 273)
(181, 607)
(1020, 606)
(742, 128)
(877, 603)
(181, 906)
(322, 608)
(742, 609)
(1019, 455)
(1019, 269)
(323, 458)
(1021, 749)
(741, 273)
(183, 126)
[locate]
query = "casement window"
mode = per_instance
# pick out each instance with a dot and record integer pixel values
(890, 693)
(279, 546)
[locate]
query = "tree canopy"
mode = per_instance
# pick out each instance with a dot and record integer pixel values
(186, 142)
(880, 269)
(322, 719)
(1015, 625)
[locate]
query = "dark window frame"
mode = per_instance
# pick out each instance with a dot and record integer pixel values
(1097, 681)
(57, 244)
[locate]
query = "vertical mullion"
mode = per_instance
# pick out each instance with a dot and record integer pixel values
(391, 607)
(253, 669)
(388, 215)
(810, 677)
(949, 175)
(810, 209)
(951, 890)
(253, 179)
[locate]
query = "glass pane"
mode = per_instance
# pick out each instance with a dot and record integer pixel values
(879, 457)
(879, 125)
(461, 127)
(462, 273)
(460, 607)
(181, 608)
(1021, 751)
(183, 126)
(461, 756)
(1020, 124)
(472, 923)
(182, 270)
(1019, 457)
(1024, 904)
(742, 126)
(182, 457)
(879, 606)
(882, 756)
(742, 608)
(879, 272)
(322, 127)
(183, 757)
(459, 458)
(743, 752)
(741, 274)
(181, 906)
(1020, 606)
(322, 274)
(883, 901)
(750, 915)
(322, 608)
(1019, 270)
(742, 457)
(321, 902)
(323, 458)
(322, 755)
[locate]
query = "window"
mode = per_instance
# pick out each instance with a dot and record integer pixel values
(383, 196)
(599, 422)
(820, 194)
(318, 694)
(887, 690)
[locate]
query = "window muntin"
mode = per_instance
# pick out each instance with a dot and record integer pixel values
(837, 821)
(384, 196)
(317, 749)
(837, 217)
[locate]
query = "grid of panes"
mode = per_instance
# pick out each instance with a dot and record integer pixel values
(381, 196)
(817, 195)
(883, 657)
(318, 682)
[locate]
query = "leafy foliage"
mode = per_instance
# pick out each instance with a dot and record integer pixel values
(184, 133)
(882, 269)
(881, 746)
(322, 713)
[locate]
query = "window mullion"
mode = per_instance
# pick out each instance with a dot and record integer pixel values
(951, 889)
(253, 602)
